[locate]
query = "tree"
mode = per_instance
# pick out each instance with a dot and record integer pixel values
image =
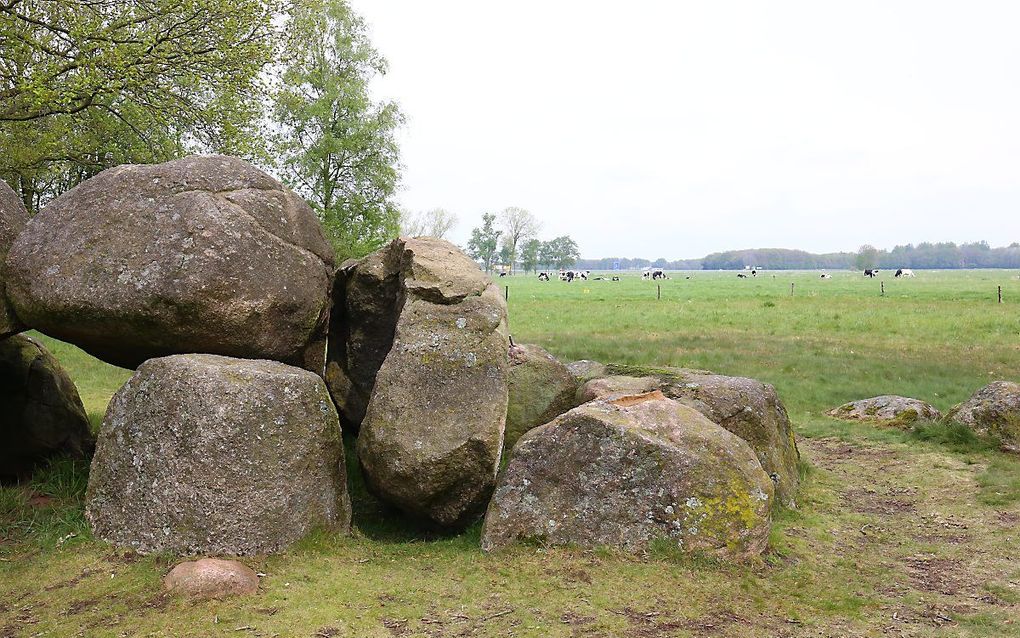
(432, 223)
(506, 256)
(89, 84)
(564, 251)
(519, 225)
(530, 255)
(867, 257)
(337, 147)
(484, 243)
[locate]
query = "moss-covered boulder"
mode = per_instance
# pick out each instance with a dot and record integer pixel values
(541, 389)
(993, 411)
(630, 471)
(41, 414)
(746, 407)
(432, 433)
(202, 254)
(13, 217)
(887, 409)
(204, 454)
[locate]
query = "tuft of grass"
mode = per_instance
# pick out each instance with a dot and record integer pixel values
(955, 436)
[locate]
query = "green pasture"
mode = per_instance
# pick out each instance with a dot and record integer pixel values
(897, 532)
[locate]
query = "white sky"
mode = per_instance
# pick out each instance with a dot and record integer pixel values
(676, 129)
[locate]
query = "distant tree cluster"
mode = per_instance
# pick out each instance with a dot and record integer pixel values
(515, 243)
(943, 255)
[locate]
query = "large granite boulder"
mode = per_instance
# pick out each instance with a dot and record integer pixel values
(41, 414)
(994, 411)
(541, 389)
(629, 471)
(204, 454)
(887, 409)
(432, 359)
(746, 407)
(13, 217)
(203, 254)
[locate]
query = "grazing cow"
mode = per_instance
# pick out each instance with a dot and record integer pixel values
(502, 274)
(826, 275)
(870, 272)
(543, 276)
(615, 278)
(653, 273)
(754, 273)
(741, 275)
(905, 272)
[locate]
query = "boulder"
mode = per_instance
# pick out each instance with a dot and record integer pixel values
(615, 384)
(204, 454)
(432, 432)
(630, 471)
(994, 411)
(13, 217)
(585, 370)
(887, 409)
(203, 254)
(541, 389)
(42, 414)
(208, 578)
(746, 407)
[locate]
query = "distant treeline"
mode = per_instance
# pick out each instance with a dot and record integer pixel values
(923, 255)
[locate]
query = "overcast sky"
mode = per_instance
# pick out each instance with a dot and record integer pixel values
(676, 129)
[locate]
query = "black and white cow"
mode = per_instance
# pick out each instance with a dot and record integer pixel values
(870, 272)
(905, 272)
(543, 276)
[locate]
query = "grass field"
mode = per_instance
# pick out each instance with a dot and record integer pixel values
(897, 533)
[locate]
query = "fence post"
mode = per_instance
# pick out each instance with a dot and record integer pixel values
(883, 288)
(506, 293)
(658, 291)
(1000, 294)
(791, 289)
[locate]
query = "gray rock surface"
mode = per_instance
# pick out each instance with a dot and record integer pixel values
(889, 409)
(994, 410)
(585, 370)
(41, 414)
(432, 433)
(628, 471)
(541, 389)
(203, 254)
(13, 217)
(208, 578)
(213, 455)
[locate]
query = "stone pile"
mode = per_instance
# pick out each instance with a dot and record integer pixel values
(252, 350)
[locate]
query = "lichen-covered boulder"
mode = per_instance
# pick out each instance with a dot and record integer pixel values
(746, 407)
(627, 471)
(204, 454)
(13, 217)
(887, 409)
(202, 254)
(211, 578)
(994, 411)
(41, 414)
(432, 432)
(541, 388)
